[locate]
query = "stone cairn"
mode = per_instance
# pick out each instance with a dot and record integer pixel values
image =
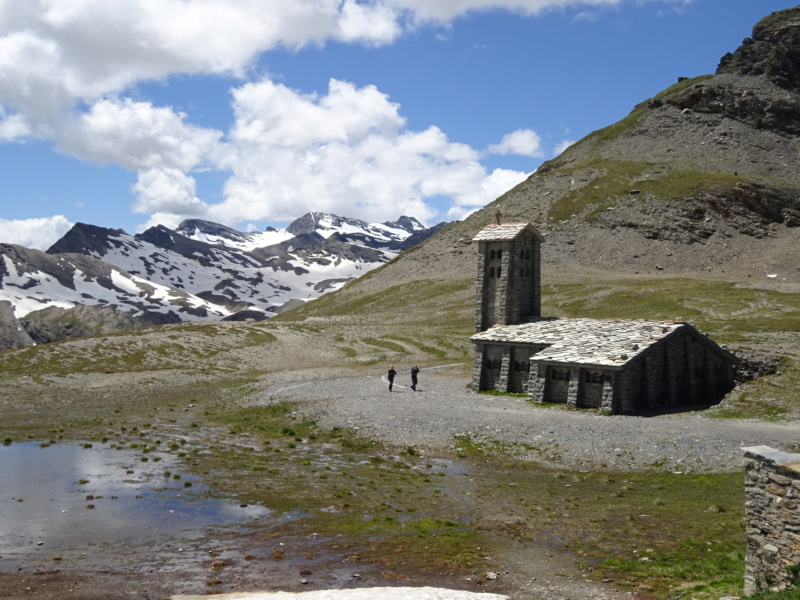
(772, 506)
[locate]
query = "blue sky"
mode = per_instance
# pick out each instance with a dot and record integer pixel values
(254, 112)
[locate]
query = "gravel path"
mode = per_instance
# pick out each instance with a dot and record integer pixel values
(443, 409)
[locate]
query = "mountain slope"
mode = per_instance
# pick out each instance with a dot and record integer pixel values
(32, 281)
(702, 179)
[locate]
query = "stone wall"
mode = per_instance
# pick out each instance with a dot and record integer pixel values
(772, 488)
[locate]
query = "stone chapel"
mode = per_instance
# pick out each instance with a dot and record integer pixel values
(618, 366)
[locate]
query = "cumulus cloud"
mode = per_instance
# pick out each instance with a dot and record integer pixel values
(12, 127)
(34, 233)
(54, 53)
(563, 145)
(522, 142)
(68, 71)
(136, 135)
(349, 149)
(166, 190)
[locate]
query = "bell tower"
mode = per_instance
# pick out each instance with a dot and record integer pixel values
(509, 271)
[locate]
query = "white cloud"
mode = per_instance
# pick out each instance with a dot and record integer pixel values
(563, 145)
(444, 11)
(66, 67)
(12, 127)
(56, 52)
(346, 152)
(165, 190)
(34, 233)
(136, 135)
(522, 142)
(168, 220)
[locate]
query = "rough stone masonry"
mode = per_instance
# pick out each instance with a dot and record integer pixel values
(772, 506)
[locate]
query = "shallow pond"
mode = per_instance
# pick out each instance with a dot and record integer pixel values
(67, 494)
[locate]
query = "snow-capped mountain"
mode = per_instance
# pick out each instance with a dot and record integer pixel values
(385, 236)
(201, 270)
(32, 280)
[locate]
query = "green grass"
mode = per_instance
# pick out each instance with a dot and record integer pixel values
(784, 595)
(385, 344)
(441, 297)
(131, 351)
(433, 351)
(680, 86)
(618, 178)
(688, 527)
(726, 308)
(497, 393)
(612, 132)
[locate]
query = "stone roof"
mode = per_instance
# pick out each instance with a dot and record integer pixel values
(505, 232)
(774, 457)
(605, 343)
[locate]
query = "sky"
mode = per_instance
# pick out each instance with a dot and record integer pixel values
(250, 113)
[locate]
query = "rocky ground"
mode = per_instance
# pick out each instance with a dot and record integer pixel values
(443, 410)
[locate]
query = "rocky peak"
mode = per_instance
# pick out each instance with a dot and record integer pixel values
(774, 51)
(758, 84)
(85, 239)
(409, 224)
(189, 226)
(306, 224)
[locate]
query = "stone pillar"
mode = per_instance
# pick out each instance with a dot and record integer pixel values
(772, 518)
(573, 389)
(537, 382)
(505, 366)
(477, 368)
(607, 403)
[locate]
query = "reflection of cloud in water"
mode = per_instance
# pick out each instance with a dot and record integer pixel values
(42, 499)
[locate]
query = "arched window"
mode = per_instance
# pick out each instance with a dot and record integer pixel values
(491, 271)
(499, 254)
(499, 270)
(492, 254)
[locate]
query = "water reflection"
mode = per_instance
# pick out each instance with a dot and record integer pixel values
(67, 494)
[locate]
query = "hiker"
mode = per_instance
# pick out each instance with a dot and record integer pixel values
(414, 373)
(391, 375)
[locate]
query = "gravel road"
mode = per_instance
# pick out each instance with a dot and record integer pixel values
(443, 409)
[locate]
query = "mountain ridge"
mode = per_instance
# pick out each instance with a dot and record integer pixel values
(199, 271)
